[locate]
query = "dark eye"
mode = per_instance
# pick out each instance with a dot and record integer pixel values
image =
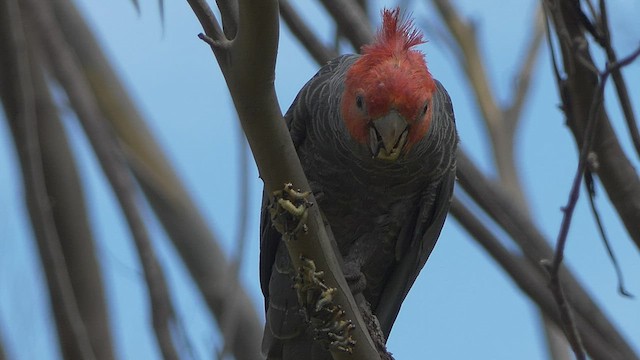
(425, 108)
(360, 102)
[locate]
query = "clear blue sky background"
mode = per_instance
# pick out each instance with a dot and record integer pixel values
(462, 306)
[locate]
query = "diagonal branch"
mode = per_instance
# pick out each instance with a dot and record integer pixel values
(320, 53)
(500, 207)
(529, 279)
(250, 81)
(196, 244)
(618, 79)
(68, 72)
(19, 101)
(352, 21)
(513, 112)
(616, 172)
(501, 121)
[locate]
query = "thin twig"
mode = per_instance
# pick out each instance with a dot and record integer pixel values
(618, 79)
(596, 107)
(574, 194)
(493, 199)
(320, 53)
(591, 191)
(531, 281)
(207, 19)
(68, 72)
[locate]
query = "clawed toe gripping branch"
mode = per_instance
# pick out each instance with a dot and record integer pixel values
(289, 213)
(331, 327)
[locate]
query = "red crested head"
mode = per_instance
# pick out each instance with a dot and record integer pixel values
(388, 90)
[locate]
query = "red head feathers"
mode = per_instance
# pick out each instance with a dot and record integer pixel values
(389, 78)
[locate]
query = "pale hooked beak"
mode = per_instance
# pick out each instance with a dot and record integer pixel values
(387, 136)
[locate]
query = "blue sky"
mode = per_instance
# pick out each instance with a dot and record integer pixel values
(462, 306)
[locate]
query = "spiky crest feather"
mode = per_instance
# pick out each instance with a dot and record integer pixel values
(397, 35)
(389, 74)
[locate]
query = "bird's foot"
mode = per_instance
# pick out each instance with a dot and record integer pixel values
(289, 210)
(328, 319)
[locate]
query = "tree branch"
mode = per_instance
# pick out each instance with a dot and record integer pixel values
(352, 21)
(320, 53)
(616, 172)
(19, 100)
(618, 79)
(530, 280)
(500, 207)
(250, 81)
(513, 112)
(68, 72)
(70, 215)
(196, 244)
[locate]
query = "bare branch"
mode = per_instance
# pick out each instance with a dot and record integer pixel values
(589, 136)
(19, 100)
(229, 16)
(618, 79)
(250, 81)
(512, 113)
(591, 191)
(616, 172)
(320, 53)
(193, 239)
(207, 19)
(68, 72)
(352, 21)
(529, 279)
(472, 62)
(500, 207)
(71, 218)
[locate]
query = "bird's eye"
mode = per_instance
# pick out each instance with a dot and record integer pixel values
(424, 109)
(360, 102)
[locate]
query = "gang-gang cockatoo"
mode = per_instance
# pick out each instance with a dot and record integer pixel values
(376, 137)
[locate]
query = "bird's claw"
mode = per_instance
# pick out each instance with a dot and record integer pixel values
(289, 210)
(328, 318)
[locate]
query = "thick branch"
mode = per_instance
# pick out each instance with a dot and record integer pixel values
(250, 80)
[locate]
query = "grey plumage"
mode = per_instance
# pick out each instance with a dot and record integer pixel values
(386, 216)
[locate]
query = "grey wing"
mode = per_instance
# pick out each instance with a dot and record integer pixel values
(416, 246)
